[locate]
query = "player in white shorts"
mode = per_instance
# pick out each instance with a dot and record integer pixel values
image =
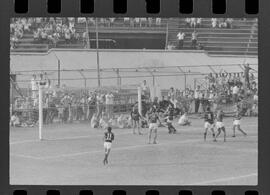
(108, 138)
(220, 125)
(237, 123)
(153, 125)
(209, 122)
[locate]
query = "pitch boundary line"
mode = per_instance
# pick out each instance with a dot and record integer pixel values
(87, 136)
(225, 179)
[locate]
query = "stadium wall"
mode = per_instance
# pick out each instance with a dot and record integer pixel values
(79, 59)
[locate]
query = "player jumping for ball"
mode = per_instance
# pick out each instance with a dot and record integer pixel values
(220, 125)
(237, 122)
(153, 118)
(108, 138)
(135, 116)
(209, 122)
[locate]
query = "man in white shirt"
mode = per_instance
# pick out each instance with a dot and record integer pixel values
(34, 86)
(109, 104)
(235, 91)
(145, 88)
(180, 37)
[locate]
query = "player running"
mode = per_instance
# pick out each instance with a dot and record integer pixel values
(108, 138)
(209, 122)
(220, 125)
(237, 122)
(153, 118)
(135, 116)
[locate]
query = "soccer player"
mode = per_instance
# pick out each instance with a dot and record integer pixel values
(169, 119)
(108, 138)
(236, 122)
(135, 116)
(153, 118)
(220, 125)
(209, 122)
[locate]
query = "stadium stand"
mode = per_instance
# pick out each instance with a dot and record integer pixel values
(239, 38)
(227, 37)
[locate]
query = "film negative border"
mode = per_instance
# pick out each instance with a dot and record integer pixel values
(103, 8)
(247, 8)
(151, 6)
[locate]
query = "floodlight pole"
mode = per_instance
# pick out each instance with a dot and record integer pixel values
(97, 46)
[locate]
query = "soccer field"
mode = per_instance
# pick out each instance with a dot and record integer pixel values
(72, 154)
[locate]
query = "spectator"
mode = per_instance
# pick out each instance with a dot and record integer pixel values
(246, 75)
(158, 21)
(199, 22)
(194, 37)
(126, 21)
(214, 22)
(171, 93)
(229, 22)
(15, 121)
(187, 20)
(197, 95)
(34, 86)
(100, 104)
(109, 104)
(193, 23)
(180, 37)
(145, 88)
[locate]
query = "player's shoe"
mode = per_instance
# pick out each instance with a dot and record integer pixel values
(215, 140)
(154, 142)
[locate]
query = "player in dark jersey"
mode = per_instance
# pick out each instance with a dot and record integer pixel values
(169, 119)
(220, 125)
(135, 116)
(237, 122)
(209, 122)
(153, 118)
(108, 138)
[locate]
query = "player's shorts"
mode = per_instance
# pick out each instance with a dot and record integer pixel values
(219, 124)
(107, 145)
(236, 122)
(208, 125)
(153, 126)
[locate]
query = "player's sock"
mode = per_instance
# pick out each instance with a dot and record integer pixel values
(204, 136)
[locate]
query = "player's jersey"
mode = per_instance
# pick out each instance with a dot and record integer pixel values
(109, 136)
(135, 115)
(220, 117)
(153, 118)
(237, 116)
(170, 111)
(209, 117)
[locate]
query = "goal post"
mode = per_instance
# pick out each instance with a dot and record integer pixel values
(40, 110)
(140, 100)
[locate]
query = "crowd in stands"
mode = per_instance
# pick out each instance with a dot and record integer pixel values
(18, 26)
(215, 23)
(51, 30)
